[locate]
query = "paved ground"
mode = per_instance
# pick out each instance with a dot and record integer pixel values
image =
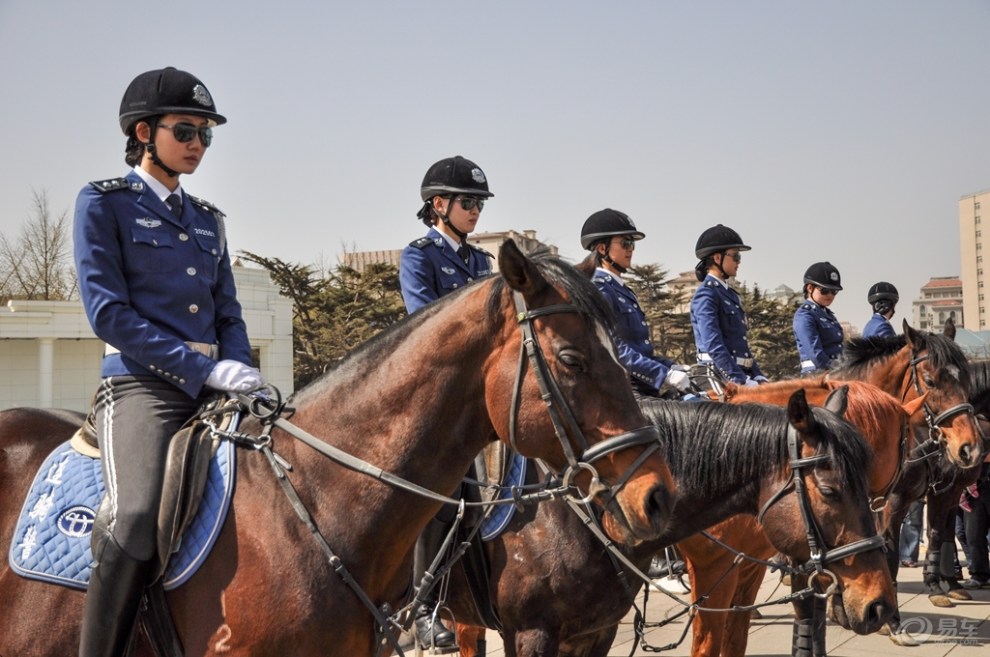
(963, 631)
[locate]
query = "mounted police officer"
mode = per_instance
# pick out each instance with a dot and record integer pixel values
(883, 297)
(818, 333)
(454, 192)
(717, 315)
(156, 283)
(611, 237)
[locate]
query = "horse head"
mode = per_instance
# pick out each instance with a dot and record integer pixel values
(939, 368)
(839, 544)
(556, 321)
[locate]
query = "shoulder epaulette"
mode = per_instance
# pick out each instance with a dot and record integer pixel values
(114, 184)
(481, 251)
(206, 205)
(421, 242)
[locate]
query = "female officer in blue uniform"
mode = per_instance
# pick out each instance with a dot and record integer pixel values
(883, 297)
(611, 237)
(817, 331)
(717, 316)
(454, 191)
(155, 280)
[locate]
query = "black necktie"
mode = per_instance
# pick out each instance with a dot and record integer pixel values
(175, 203)
(462, 251)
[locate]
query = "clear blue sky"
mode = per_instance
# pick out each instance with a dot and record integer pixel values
(842, 131)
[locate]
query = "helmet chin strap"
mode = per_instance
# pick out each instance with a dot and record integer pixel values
(605, 257)
(446, 220)
(153, 151)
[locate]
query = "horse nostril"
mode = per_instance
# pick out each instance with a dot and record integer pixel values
(966, 454)
(658, 503)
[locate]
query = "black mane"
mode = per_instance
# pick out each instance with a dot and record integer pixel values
(859, 354)
(708, 444)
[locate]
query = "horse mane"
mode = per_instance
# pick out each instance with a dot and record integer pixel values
(365, 357)
(750, 439)
(859, 354)
(979, 392)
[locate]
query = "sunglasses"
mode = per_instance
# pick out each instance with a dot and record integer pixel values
(627, 243)
(469, 203)
(734, 256)
(826, 291)
(186, 132)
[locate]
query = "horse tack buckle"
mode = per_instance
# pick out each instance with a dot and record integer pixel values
(595, 488)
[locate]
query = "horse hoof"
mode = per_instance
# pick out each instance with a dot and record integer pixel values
(941, 600)
(884, 631)
(959, 594)
(904, 639)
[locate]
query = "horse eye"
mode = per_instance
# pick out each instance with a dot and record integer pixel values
(571, 359)
(929, 381)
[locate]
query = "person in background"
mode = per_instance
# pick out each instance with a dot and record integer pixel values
(717, 315)
(611, 237)
(911, 528)
(157, 287)
(454, 192)
(817, 332)
(883, 298)
(976, 518)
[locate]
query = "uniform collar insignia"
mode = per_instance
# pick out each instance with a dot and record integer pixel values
(148, 222)
(137, 185)
(438, 241)
(447, 270)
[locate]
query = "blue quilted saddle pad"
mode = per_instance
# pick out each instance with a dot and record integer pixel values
(499, 518)
(51, 542)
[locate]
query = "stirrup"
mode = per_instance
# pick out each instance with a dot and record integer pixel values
(430, 647)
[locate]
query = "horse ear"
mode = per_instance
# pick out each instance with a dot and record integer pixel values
(912, 407)
(838, 400)
(915, 339)
(519, 273)
(799, 413)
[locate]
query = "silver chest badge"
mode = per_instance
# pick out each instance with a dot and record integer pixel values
(447, 270)
(148, 222)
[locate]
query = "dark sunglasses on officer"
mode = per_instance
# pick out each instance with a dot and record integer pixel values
(736, 256)
(826, 291)
(469, 203)
(185, 132)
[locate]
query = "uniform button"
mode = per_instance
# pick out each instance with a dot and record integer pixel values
(470, 279)
(182, 381)
(193, 308)
(155, 242)
(183, 237)
(213, 251)
(454, 286)
(191, 271)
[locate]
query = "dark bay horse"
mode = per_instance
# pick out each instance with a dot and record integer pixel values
(419, 402)
(882, 420)
(557, 591)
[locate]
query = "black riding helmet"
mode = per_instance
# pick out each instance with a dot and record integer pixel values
(718, 238)
(823, 274)
(166, 91)
(454, 175)
(607, 223)
(882, 291)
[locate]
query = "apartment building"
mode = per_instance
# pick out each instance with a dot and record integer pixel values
(973, 245)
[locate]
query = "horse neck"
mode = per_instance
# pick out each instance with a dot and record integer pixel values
(892, 375)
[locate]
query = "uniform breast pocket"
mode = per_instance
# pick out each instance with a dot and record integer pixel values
(209, 251)
(449, 282)
(151, 251)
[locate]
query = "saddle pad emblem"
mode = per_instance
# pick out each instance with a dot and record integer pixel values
(51, 542)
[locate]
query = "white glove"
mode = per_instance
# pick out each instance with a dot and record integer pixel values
(751, 382)
(678, 379)
(234, 376)
(761, 379)
(680, 368)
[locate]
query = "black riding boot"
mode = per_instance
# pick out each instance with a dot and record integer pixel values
(112, 602)
(429, 628)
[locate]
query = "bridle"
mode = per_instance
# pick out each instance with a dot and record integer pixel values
(564, 423)
(821, 555)
(935, 434)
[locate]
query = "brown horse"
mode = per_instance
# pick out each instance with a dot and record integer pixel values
(556, 589)
(714, 571)
(418, 402)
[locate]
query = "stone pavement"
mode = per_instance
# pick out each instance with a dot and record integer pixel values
(963, 631)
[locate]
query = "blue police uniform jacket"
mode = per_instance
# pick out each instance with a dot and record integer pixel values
(719, 324)
(878, 327)
(150, 282)
(819, 336)
(632, 334)
(430, 268)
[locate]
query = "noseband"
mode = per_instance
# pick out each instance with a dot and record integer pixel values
(565, 425)
(935, 434)
(820, 554)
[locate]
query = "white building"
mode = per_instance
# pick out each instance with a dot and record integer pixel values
(50, 358)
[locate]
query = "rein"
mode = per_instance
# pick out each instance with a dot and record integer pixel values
(820, 554)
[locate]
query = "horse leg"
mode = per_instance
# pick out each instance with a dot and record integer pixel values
(736, 636)
(471, 640)
(534, 642)
(806, 640)
(708, 626)
(948, 559)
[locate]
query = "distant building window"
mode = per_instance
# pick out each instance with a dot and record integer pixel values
(979, 258)
(981, 297)
(921, 309)
(976, 205)
(979, 233)
(979, 246)
(979, 283)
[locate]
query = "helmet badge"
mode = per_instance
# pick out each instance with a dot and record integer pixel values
(477, 175)
(833, 276)
(202, 96)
